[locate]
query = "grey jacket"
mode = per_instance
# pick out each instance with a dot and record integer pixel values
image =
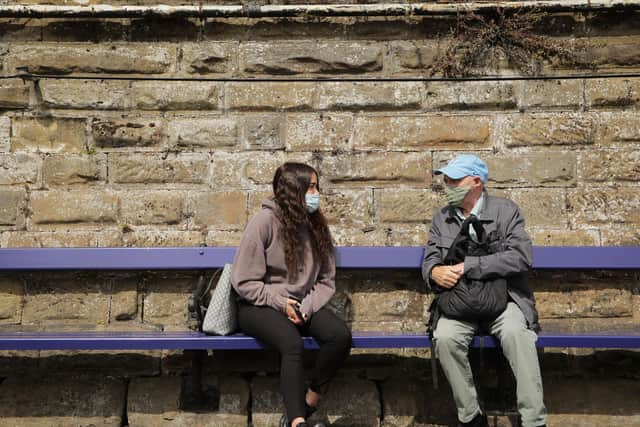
(512, 262)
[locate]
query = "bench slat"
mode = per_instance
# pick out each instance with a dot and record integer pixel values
(199, 341)
(197, 258)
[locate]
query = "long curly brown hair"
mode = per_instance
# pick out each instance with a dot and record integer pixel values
(290, 184)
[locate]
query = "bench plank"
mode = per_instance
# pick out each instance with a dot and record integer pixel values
(200, 341)
(198, 258)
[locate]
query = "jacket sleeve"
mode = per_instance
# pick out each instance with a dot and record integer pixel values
(250, 267)
(515, 257)
(432, 254)
(323, 289)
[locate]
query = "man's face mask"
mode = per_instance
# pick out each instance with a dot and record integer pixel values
(455, 195)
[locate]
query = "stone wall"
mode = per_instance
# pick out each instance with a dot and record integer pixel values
(106, 151)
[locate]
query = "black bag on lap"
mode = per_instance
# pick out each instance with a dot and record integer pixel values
(473, 300)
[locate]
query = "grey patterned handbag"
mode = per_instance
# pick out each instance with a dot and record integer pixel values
(221, 316)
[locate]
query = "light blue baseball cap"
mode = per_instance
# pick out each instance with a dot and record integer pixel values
(465, 165)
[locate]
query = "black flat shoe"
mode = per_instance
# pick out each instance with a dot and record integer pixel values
(479, 420)
(284, 422)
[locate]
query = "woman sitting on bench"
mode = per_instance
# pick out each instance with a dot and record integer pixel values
(284, 274)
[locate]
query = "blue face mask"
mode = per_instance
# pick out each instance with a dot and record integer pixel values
(312, 201)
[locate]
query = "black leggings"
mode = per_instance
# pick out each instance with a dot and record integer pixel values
(272, 328)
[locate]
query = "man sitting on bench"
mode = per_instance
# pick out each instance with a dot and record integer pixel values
(476, 262)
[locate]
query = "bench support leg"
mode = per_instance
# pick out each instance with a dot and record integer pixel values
(193, 395)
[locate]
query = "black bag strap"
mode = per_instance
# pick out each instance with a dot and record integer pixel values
(196, 305)
(460, 246)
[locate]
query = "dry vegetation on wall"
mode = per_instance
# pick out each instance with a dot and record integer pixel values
(483, 41)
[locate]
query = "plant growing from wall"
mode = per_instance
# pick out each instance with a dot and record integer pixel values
(482, 41)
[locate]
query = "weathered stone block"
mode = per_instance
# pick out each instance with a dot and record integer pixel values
(234, 395)
(56, 58)
(14, 93)
(389, 297)
(317, 57)
(540, 207)
(312, 132)
(19, 168)
(153, 207)
(132, 132)
(550, 94)
(267, 405)
(124, 300)
(49, 135)
(603, 166)
(548, 169)
(618, 130)
(5, 133)
(219, 210)
(579, 303)
(566, 237)
(73, 94)
(405, 205)
(558, 129)
(204, 132)
(422, 132)
(209, 57)
(181, 168)
(63, 170)
(164, 302)
(245, 171)
(373, 169)
(168, 238)
(264, 133)
(412, 56)
(612, 92)
(351, 402)
(115, 363)
(351, 208)
(410, 402)
(577, 402)
(411, 234)
(620, 235)
(12, 207)
(60, 300)
(612, 52)
(154, 401)
(470, 96)
(352, 236)
(370, 96)
(59, 401)
(11, 298)
(223, 238)
(604, 205)
(64, 239)
(175, 95)
(76, 206)
(270, 96)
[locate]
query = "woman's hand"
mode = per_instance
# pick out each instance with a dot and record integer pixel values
(290, 311)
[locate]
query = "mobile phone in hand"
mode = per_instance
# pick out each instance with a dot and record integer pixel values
(297, 307)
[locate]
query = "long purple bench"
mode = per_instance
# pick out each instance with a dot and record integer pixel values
(197, 258)
(200, 341)
(190, 258)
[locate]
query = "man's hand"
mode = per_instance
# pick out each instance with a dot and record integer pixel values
(291, 312)
(447, 276)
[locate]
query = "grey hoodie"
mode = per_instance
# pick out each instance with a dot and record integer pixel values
(259, 273)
